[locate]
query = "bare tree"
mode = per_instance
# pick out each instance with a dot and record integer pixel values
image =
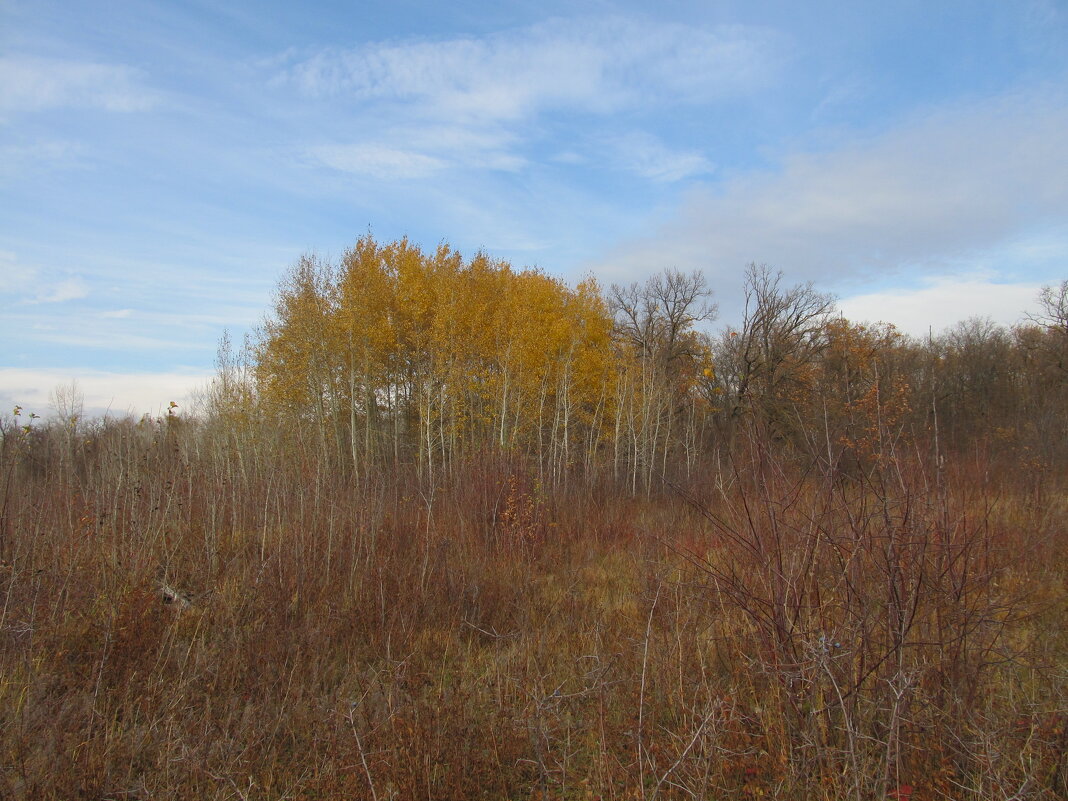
(1054, 314)
(659, 317)
(781, 335)
(1046, 341)
(656, 328)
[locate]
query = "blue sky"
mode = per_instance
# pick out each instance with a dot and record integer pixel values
(163, 164)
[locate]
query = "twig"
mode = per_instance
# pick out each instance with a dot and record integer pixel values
(363, 757)
(641, 693)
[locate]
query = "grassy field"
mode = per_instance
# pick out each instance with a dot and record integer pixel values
(186, 614)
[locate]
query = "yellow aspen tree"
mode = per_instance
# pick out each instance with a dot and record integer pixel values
(295, 362)
(363, 330)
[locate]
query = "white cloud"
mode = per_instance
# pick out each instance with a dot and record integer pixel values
(647, 156)
(946, 188)
(484, 146)
(72, 288)
(942, 302)
(421, 151)
(48, 152)
(594, 65)
(148, 335)
(99, 326)
(133, 393)
(13, 276)
(468, 102)
(377, 161)
(36, 84)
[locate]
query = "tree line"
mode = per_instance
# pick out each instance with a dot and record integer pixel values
(395, 357)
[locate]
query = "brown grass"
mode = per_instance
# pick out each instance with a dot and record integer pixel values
(190, 612)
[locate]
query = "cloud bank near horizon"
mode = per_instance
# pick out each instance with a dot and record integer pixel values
(102, 393)
(945, 191)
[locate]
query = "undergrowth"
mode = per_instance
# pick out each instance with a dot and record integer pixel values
(186, 615)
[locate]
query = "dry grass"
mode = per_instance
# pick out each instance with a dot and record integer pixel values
(189, 613)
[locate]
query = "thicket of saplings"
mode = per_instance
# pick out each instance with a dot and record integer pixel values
(835, 571)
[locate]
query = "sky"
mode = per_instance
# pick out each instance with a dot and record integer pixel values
(163, 164)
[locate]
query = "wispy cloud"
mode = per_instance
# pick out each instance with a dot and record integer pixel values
(12, 275)
(123, 330)
(479, 103)
(37, 154)
(586, 65)
(120, 340)
(377, 161)
(418, 152)
(73, 288)
(35, 84)
(648, 157)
